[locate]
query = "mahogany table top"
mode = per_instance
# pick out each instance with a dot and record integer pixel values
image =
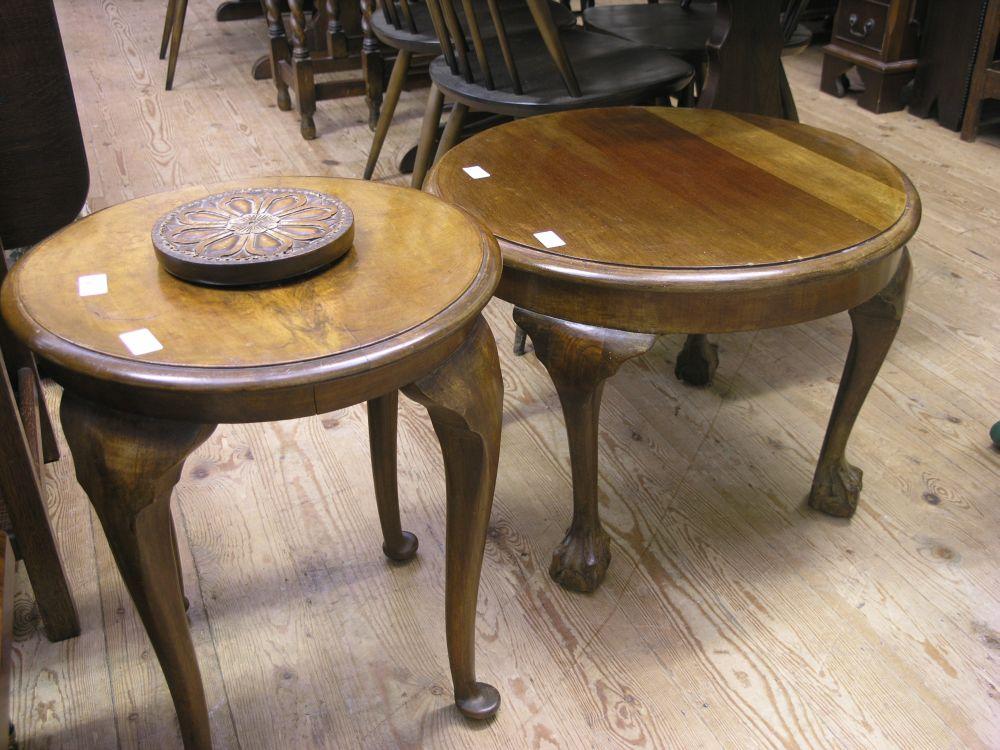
(667, 201)
(419, 271)
(675, 188)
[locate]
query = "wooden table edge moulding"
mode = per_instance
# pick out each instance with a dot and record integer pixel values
(131, 421)
(587, 317)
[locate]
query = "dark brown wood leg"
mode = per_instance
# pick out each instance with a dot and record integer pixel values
(451, 130)
(180, 10)
(837, 484)
(336, 38)
(400, 68)
(302, 71)
(22, 496)
(428, 134)
(579, 359)
(128, 466)
(373, 65)
(168, 22)
(464, 398)
(698, 360)
(279, 52)
(397, 544)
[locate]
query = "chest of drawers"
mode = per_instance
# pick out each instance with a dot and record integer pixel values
(879, 38)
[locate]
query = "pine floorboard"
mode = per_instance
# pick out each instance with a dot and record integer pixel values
(732, 615)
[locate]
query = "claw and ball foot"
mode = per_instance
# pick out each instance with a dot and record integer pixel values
(579, 358)
(581, 560)
(836, 489)
(697, 360)
(836, 484)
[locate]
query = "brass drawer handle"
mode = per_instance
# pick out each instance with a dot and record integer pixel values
(852, 22)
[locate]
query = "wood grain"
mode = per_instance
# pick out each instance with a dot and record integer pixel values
(312, 312)
(894, 619)
(742, 162)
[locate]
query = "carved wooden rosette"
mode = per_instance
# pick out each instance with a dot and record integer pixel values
(253, 236)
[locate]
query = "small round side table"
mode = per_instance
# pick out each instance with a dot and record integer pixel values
(620, 224)
(401, 310)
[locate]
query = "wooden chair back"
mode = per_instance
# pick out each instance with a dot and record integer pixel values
(446, 16)
(401, 16)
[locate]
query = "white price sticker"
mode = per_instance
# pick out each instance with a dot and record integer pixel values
(92, 285)
(549, 239)
(141, 342)
(476, 172)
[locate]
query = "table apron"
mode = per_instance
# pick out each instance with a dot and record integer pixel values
(699, 309)
(261, 402)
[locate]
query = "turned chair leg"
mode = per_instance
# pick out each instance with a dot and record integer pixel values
(397, 79)
(397, 544)
(837, 484)
(451, 130)
(579, 358)
(128, 466)
(372, 65)
(278, 52)
(464, 398)
(180, 10)
(428, 134)
(168, 22)
(302, 71)
(697, 361)
(336, 38)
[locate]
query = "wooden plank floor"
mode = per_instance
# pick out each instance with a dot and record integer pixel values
(732, 616)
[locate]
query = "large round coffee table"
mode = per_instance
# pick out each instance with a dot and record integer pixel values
(401, 310)
(620, 224)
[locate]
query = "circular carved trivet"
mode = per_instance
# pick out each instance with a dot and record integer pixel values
(253, 236)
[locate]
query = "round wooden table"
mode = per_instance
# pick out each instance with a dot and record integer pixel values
(620, 224)
(401, 310)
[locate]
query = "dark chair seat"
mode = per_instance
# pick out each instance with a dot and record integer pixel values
(425, 42)
(610, 70)
(399, 34)
(669, 27)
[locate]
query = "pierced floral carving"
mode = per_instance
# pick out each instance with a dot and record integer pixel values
(252, 225)
(255, 235)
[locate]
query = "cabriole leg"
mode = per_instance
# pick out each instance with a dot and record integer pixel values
(579, 359)
(128, 466)
(837, 484)
(464, 398)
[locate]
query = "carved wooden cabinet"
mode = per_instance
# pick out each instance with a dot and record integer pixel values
(947, 54)
(879, 38)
